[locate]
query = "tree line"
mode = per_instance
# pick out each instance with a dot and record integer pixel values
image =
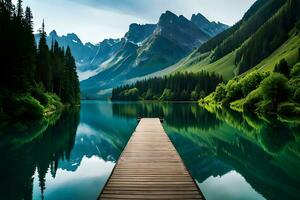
(32, 75)
(175, 87)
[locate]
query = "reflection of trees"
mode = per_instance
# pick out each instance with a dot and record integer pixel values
(19, 162)
(213, 154)
(264, 152)
(174, 114)
(270, 133)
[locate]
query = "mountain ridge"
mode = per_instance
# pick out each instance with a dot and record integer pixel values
(144, 49)
(173, 38)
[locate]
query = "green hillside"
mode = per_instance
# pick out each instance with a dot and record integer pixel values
(226, 65)
(199, 62)
(249, 45)
(260, 57)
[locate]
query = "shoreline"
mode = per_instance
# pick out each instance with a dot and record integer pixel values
(286, 119)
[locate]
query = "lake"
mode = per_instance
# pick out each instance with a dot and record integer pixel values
(230, 156)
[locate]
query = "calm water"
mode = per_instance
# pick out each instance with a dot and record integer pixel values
(229, 155)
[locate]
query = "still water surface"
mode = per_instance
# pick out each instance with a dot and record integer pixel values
(231, 156)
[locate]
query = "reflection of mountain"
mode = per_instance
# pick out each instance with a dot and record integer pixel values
(176, 115)
(266, 156)
(18, 164)
(98, 135)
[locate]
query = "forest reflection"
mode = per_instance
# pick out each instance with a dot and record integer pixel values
(21, 158)
(212, 143)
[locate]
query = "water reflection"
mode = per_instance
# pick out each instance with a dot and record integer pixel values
(67, 157)
(21, 157)
(179, 115)
(230, 155)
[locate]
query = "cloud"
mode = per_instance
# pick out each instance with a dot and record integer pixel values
(130, 7)
(95, 20)
(227, 11)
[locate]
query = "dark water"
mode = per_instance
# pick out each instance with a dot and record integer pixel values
(231, 156)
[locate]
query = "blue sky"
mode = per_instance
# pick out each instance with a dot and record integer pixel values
(95, 20)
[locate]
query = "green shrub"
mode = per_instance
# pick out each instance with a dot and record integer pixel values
(167, 95)
(131, 94)
(25, 107)
(275, 89)
(220, 93)
(234, 91)
(296, 70)
(252, 100)
(194, 96)
(288, 109)
(53, 101)
(265, 106)
(283, 68)
(297, 95)
(39, 94)
(252, 81)
(149, 95)
(238, 105)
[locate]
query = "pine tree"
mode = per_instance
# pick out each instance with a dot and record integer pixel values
(71, 84)
(44, 71)
(28, 18)
(20, 12)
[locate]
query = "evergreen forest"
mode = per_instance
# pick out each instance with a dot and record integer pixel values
(35, 79)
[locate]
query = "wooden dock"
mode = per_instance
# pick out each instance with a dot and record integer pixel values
(150, 168)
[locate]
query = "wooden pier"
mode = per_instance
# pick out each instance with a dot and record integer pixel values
(150, 168)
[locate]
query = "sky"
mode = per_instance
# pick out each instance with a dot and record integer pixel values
(95, 20)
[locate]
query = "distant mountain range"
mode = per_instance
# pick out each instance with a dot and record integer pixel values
(144, 49)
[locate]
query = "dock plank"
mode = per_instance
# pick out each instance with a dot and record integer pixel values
(150, 168)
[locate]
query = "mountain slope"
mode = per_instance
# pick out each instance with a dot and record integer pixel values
(173, 38)
(267, 64)
(247, 43)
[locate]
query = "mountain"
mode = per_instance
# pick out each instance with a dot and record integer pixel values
(88, 56)
(138, 33)
(249, 43)
(146, 49)
(82, 52)
(211, 28)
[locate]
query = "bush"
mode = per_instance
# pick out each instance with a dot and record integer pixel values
(167, 95)
(283, 68)
(149, 95)
(234, 91)
(195, 96)
(297, 95)
(252, 81)
(220, 93)
(25, 107)
(252, 100)
(39, 94)
(275, 89)
(131, 94)
(296, 70)
(265, 107)
(288, 109)
(54, 102)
